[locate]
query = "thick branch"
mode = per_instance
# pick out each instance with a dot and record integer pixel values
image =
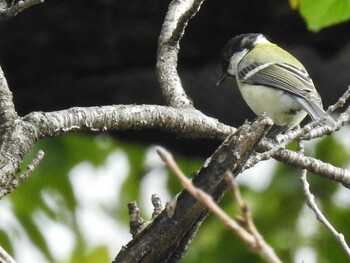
(24, 132)
(21, 134)
(163, 239)
(184, 122)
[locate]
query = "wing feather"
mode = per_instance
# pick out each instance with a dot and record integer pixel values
(281, 76)
(290, 79)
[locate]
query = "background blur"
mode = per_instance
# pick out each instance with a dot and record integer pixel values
(66, 53)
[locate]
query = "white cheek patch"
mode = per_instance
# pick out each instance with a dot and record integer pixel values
(235, 59)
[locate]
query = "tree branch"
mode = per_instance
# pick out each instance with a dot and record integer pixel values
(341, 101)
(9, 12)
(22, 133)
(314, 165)
(185, 122)
(310, 201)
(175, 22)
(5, 257)
(8, 114)
(250, 235)
(163, 238)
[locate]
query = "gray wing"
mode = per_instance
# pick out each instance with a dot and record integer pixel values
(290, 79)
(281, 76)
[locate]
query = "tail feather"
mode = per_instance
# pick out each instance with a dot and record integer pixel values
(315, 111)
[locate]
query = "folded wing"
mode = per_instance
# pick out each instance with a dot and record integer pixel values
(290, 79)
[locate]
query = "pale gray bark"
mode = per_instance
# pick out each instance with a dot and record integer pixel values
(13, 10)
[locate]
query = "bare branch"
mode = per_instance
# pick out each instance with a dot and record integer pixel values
(18, 179)
(175, 22)
(254, 241)
(260, 246)
(273, 149)
(23, 133)
(344, 117)
(5, 257)
(315, 166)
(8, 12)
(205, 199)
(311, 164)
(310, 200)
(258, 157)
(14, 181)
(185, 122)
(341, 101)
(169, 235)
(8, 113)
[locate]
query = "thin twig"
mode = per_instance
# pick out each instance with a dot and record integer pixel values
(31, 166)
(258, 246)
(258, 157)
(248, 219)
(341, 101)
(262, 246)
(310, 201)
(16, 180)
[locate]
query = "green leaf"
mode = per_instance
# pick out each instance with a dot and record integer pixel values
(324, 13)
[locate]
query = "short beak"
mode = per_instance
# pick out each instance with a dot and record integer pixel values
(222, 78)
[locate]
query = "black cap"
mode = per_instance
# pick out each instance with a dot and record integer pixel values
(236, 44)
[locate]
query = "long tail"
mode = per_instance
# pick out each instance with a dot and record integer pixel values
(315, 111)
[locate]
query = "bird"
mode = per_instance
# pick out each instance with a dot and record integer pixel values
(272, 81)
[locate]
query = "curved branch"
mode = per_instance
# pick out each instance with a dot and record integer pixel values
(176, 19)
(8, 12)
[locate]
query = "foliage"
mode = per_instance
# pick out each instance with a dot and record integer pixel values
(324, 13)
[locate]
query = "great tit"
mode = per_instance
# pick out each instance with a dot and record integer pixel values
(272, 81)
